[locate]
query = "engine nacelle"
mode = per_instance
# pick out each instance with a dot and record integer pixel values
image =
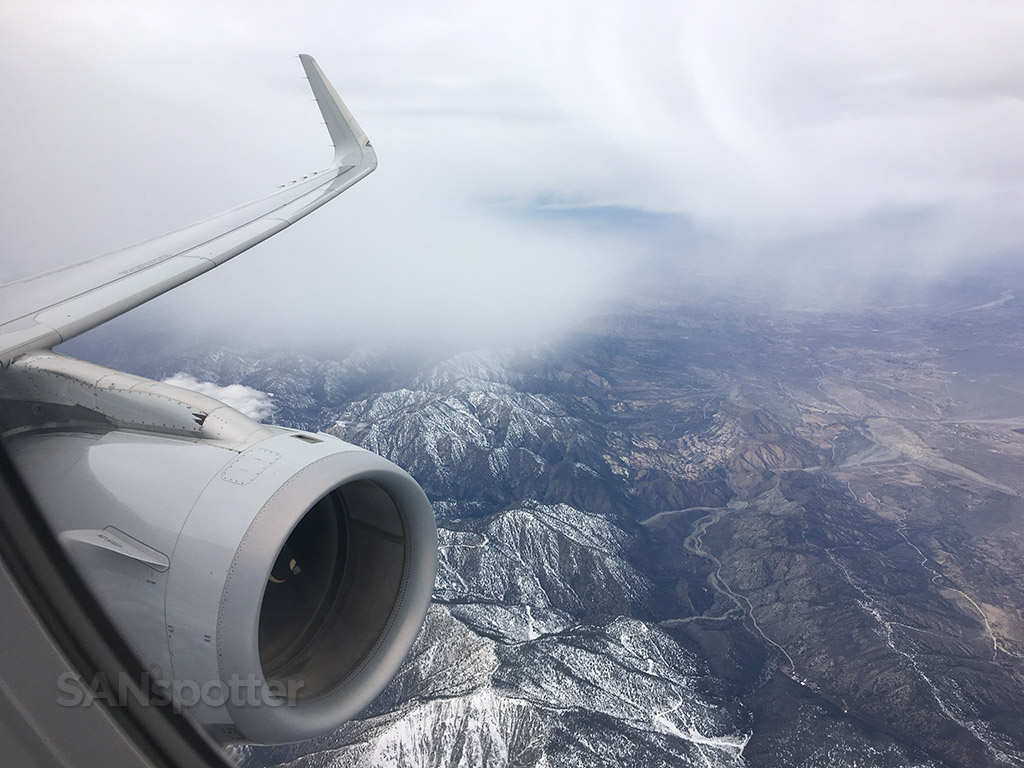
(275, 589)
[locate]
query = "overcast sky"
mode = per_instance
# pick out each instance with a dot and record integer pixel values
(534, 156)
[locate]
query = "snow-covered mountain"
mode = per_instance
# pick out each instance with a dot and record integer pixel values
(692, 539)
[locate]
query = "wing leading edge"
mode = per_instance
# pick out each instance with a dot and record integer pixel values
(47, 309)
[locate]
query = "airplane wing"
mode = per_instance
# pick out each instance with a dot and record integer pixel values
(283, 575)
(47, 309)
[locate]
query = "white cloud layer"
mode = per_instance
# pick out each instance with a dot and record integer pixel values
(257, 405)
(785, 135)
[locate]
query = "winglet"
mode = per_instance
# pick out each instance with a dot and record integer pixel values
(351, 147)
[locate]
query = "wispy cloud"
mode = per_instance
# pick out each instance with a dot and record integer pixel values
(780, 136)
(257, 405)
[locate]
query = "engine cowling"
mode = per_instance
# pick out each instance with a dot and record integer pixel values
(273, 590)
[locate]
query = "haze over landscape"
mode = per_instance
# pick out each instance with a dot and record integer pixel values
(531, 157)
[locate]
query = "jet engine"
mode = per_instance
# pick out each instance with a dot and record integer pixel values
(270, 580)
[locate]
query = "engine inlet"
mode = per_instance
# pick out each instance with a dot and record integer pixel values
(334, 585)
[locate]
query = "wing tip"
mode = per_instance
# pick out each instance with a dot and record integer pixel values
(351, 146)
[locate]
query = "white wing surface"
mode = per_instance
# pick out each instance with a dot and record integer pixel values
(47, 309)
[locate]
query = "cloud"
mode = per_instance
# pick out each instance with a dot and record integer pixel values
(257, 405)
(780, 137)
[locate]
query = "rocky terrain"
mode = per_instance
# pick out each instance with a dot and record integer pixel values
(701, 534)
